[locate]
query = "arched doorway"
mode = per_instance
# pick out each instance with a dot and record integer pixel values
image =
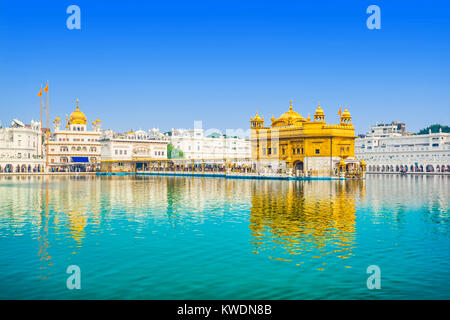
(298, 166)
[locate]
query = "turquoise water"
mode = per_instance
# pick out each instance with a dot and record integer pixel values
(150, 237)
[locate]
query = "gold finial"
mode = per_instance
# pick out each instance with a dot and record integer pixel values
(77, 103)
(319, 103)
(290, 105)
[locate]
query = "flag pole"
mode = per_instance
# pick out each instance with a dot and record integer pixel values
(42, 150)
(48, 128)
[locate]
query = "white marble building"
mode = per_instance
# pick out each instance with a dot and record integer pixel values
(21, 147)
(74, 148)
(215, 146)
(132, 146)
(127, 152)
(398, 151)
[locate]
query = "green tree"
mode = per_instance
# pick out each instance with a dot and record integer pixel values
(434, 129)
(174, 153)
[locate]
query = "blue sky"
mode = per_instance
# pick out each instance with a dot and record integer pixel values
(144, 64)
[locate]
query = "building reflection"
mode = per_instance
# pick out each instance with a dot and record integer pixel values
(43, 234)
(299, 221)
(288, 220)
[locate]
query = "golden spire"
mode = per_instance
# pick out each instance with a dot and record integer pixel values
(78, 106)
(290, 105)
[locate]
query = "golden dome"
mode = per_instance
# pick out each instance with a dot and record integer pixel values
(319, 111)
(319, 115)
(257, 117)
(77, 117)
(288, 118)
(57, 119)
(362, 163)
(346, 114)
(98, 120)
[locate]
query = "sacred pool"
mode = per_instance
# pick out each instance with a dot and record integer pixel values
(162, 237)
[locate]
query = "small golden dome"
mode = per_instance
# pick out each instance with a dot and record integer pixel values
(346, 114)
(57, 119)
(130, 132)
(362, 163)
(342, 163)
(98, 120)
(77, 117)
(257, 117)
(319, 111)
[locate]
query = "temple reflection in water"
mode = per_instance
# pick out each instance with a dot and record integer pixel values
(290, 236)
(288, 220)
(291, 221)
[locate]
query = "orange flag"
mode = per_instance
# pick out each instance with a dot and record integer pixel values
(340, 111)
(46, 88)
(40, 93)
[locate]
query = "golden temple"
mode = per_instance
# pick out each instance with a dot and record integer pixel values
(304, 146)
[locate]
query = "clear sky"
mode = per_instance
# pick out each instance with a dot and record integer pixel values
(144, 64)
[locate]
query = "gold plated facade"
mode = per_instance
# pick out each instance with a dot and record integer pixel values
(304, 144)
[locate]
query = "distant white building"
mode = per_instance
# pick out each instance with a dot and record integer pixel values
(132, 146)
(21, 147)
(395, 128)
(130, 151)
(215, 146)
(389, 149)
